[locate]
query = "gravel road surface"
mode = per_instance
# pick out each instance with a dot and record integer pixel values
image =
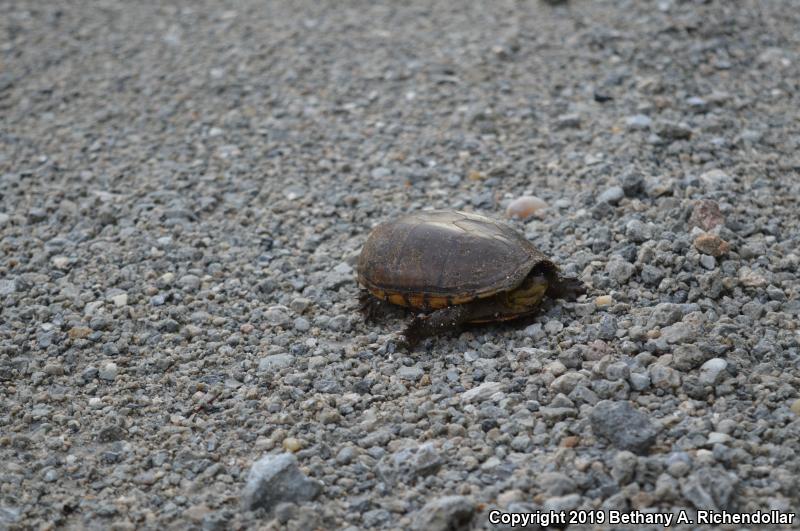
(184, 190)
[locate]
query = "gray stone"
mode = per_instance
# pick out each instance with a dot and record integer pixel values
(620, 270)
(521, 443)
(623, 467)
(567, 382)
(673, 130)
(553, 327)
(562, 503)
(715, 178)
(482, 392)
(535, 331)
(566, 121)
(712, 370)
(651, 275)
(638, 231)
(607, 329)
(697, 104)
(346, 455)
(36, 215)
(277, 315)
(638, 122)
(410, 373)
(449, 513)
(299, 304)
(274, 479)
(710, 489)
(10, 514)
(189, 282)
(275, 362)
(687, 357)
(708, 261)
(409, 464)
(678, 333)
(664, 377)
(665, 314)
(624, 426)
(611, 195)
(553, 414)
(555, 483)
(108, 372)
(632, 183)
(7, 287)
(380, 173)
(301, 324)
(617, 371)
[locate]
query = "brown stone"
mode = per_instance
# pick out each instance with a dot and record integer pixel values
(570, 442)
(79, 332)
(711, 244)
(706, 215)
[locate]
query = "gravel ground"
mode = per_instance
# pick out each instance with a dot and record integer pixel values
(184, 189)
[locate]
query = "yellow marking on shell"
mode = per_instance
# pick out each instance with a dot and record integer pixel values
(396, 298)
(461, 299)
(436, 303)
(416, 300)
(378, 293)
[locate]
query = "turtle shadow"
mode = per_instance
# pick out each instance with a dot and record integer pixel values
(375, 310)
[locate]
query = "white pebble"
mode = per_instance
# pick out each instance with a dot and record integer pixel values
(525, 207)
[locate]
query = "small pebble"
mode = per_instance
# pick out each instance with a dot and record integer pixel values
(290, 444)
(611, 195)
(96, 402)
(60, 262)
(301, 324)
(638, 122)
(604, 300)
(715, 178)
(567, 121)
(524, 207)
(277, 478)
(79, 332)
(708, 262)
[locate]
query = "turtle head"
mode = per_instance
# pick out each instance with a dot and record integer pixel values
(529, 294)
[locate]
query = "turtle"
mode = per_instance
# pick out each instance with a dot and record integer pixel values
(456, 268)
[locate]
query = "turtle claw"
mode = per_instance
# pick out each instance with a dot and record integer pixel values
(370, 307)
(414, 332)
(429, 325)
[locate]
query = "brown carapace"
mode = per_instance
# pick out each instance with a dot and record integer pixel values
(457, 268)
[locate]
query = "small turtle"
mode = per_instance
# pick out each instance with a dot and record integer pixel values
(456, 268)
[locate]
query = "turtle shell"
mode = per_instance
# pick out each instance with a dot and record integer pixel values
(430, 260)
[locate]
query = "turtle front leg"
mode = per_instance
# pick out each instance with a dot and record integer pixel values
(428, 325)
(371, 307)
